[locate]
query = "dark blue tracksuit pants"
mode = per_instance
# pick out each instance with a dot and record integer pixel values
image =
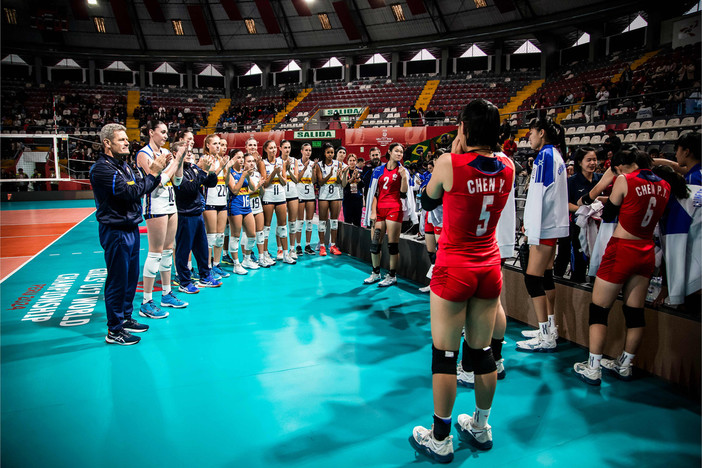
(191, 236)
(122, 260)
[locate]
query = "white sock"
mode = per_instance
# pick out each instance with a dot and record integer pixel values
(333, 244)
(147, 297)
(594, 361)
(166, 288)
(625, 359)
(544, 328)
(480, 417)
(551, 321)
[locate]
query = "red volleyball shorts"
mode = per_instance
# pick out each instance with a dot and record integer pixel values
(549, 242)
(430, 228)
(389, 214)
(458, 284)
(624, 258)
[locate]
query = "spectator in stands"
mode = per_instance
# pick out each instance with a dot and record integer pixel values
(612, 143)
(509, 147)
(589, 96)
(37, 186)
(430, 117)
(602, 102)
(22, 186)
(413, 116)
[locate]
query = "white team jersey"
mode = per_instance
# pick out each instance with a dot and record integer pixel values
(275, 192)
(331, 190)
(162, 200)
(305, 187)
(255, 197)
(291, 187)
(546, 209)
(217, 195)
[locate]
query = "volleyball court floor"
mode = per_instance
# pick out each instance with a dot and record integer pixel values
(290, 366)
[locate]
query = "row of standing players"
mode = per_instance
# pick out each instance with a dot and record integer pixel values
(471, 186)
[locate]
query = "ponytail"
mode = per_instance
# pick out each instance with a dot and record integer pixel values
(553, 133)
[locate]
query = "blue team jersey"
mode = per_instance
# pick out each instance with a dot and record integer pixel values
(239, 204)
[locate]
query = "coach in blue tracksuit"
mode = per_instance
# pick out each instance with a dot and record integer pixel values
(118, 195)
(191, 234)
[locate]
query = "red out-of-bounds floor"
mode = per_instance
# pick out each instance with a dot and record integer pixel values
(25, 233)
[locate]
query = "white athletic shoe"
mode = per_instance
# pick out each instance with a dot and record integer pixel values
(292, 254)
(288, 259)
(618, 371)
(239, 269)
(587, 374)
(535, 333)
(250, 264)
(540, 344)
(269, 259)
(388, 281)
(425, 289)
(480, 437)
(280, 255)
(373, 278)
(431, 270)
(440, 450)
(467, 379)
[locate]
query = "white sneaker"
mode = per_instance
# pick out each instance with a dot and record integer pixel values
(263, 261)
(480, 437)
(269, 259)
(440, 450)
(431, 270)
(288, 259)
(292, 254)
(465, 378)
(587, 374)
(279, 256)
(618, 371)
(425, 289)
(388, 281)
(373, 278)
(239, 269)
(250, 264)
(535, 333)
(540, 344)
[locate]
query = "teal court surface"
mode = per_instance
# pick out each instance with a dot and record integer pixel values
(291, 366)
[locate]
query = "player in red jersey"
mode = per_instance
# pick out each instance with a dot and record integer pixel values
(639, 197)
(392, 182)
(474, 184)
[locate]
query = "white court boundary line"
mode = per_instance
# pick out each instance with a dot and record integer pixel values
(42, 250)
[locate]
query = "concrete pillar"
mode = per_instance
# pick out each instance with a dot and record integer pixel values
(597, 44)
(142, 76)
(497, 64)
(395, 59)
(549, 58)
(228, 78)
(37, 70)
(305, 71)
(653, 30)
(266, 71)
(189, 75)
(347, 69)
(91, 72)
(444, 62)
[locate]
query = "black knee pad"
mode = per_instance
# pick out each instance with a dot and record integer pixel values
(634, 316)
(443, 362)
(374, 247)
(598, 315)
(534, 285)
(482, 360)
(393, 248)
(432, 257)
(549, 285)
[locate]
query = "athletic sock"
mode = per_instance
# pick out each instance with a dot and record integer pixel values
(544, 328)
(496, 346)
(166, 289)
(392, 273)
(333, 244)
(480, 417)
(594, 361)
(376, 270)
(551, 322)
(442, 427)
(625, 359)
(147, 297)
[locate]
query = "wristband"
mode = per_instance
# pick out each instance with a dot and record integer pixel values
(586, 199)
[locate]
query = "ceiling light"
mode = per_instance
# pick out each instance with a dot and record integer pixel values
(480, 3)
(397, 11)
(324, 19)
(10, 15)
(250, 26)
(92, 2)
(99, 24)
(177, 27)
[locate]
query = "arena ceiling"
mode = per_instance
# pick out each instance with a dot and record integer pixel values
(216, 30)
